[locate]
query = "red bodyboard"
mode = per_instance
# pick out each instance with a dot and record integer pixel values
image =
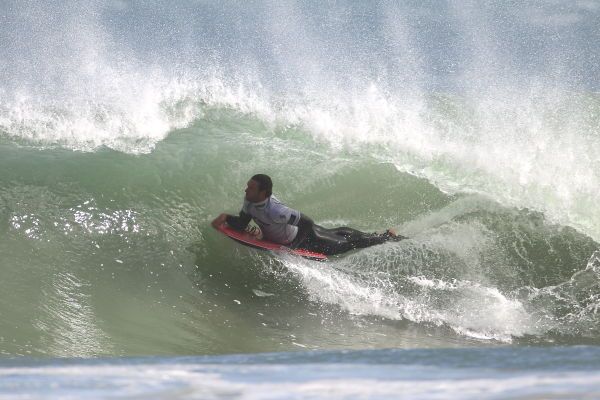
(249, 240)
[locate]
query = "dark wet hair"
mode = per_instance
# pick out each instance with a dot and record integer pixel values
(264, 183)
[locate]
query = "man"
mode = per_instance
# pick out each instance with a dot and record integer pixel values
(283, 225)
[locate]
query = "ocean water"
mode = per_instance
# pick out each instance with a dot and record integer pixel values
(522, 373)
(472, 128)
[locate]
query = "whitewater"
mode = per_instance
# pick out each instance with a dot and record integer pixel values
(472, 128)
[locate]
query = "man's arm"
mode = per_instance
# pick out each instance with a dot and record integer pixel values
(240, 222)
(220, 220)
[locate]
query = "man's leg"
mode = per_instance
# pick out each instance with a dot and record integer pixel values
(323, 240)
(347, 233)
(340, 240)
(362, 239)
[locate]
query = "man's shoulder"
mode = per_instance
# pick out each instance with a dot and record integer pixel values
(274, 200)
(275, 204)
(278, 210)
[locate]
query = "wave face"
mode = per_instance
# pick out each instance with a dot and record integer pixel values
(126, 127)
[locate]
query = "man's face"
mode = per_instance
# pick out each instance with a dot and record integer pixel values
(253, 194)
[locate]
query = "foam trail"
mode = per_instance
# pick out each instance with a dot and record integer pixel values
(468, 307)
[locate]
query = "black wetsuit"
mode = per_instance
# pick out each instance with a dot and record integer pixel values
(340, 240)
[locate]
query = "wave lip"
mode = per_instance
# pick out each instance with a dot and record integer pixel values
(131, 121)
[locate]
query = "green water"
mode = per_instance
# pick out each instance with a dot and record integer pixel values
(108, 253)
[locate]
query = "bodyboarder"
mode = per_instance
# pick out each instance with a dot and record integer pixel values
(281, 224)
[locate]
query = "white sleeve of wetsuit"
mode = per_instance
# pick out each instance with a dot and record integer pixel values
(281, 213)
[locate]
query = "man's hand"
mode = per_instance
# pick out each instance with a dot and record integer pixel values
(220, 220)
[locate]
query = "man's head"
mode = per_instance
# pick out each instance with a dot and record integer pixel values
(259, 187)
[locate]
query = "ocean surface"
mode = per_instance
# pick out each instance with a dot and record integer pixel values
(471, 127)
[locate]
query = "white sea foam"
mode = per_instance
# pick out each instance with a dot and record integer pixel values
(468, 307)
